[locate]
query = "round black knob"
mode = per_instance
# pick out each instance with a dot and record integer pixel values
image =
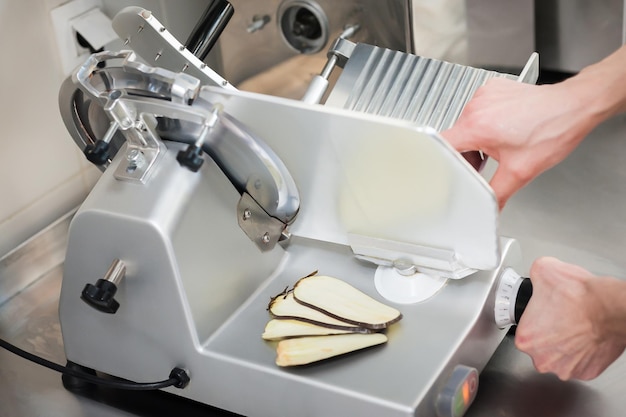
(181, 376)
(101, 296)
(191, 158)
(97, 153)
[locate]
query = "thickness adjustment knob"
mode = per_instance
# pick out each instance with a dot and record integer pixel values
(512, 296)
(101, 295)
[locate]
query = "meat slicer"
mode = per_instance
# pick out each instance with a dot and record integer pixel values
(213, 200)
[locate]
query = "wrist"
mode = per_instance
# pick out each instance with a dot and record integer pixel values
(601, 87)
(610, 294)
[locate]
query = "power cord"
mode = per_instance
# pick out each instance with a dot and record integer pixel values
(178, 377)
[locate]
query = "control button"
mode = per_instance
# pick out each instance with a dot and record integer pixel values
(458, 393)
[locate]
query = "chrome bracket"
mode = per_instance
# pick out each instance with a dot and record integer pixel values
(264, 230)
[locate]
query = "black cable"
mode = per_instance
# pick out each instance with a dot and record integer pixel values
(178, 377)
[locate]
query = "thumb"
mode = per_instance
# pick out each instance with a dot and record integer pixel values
(504, 185)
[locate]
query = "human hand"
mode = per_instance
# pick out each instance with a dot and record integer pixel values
(572, 326)
(526, 128)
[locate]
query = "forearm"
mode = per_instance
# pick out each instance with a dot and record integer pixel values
(601, 88)
(611, 293)
(529, 129)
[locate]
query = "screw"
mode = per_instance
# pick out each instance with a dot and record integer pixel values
(247, 214)
(115, 94)
(266, 238)
(135, 160)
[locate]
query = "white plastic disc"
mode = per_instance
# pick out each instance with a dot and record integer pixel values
(406, 289)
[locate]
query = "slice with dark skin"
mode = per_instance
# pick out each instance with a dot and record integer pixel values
(338, 299)
(284, 306)
(305, 350)
(277, 329)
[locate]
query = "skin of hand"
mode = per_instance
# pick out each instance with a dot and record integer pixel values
(573, 325)
(526, 128)
(530, 128)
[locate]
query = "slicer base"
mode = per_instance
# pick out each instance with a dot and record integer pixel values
(233, 369)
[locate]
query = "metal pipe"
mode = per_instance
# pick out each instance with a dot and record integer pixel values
(116, 272)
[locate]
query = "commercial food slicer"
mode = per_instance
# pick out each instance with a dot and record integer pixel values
(213, 200)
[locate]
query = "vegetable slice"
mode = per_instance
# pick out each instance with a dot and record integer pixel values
(304, 350)
(282, 328)
(284, 306)
(342, 301)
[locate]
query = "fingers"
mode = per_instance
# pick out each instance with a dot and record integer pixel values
(458, 138)
(546, 267)
(504, 185)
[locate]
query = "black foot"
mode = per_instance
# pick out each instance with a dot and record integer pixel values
(71, 383)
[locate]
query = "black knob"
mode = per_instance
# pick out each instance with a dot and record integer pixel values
(97, 153)
(523, 297)
(101, 296)
(191, 158)
(181, 376)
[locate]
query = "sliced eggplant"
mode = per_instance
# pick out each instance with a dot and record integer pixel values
(284, 306)
(283, 328)
(338, 299)
(304, 350)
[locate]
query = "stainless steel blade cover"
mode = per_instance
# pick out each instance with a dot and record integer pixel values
(389, 189)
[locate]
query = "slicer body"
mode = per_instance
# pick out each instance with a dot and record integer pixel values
(369, 191)
(202, 307)
(197, 287)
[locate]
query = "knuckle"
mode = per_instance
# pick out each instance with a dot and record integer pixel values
(541, 266)
(521, 172)
(522, 342)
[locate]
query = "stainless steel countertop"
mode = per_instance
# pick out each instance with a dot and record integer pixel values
(576, 211)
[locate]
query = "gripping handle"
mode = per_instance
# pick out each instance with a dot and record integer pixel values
(209, 28)
(523, 297)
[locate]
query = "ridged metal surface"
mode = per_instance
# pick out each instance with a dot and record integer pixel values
(427, 91)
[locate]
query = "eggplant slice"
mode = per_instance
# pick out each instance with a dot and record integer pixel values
(338, 299)
(322, 317)
(277, 329)
(305, 350)
(284, 306)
